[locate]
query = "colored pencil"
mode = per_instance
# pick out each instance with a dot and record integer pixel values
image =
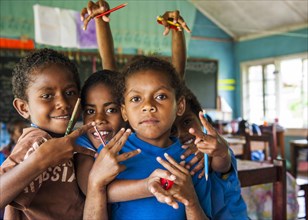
(206, 157)
(71, 123)
(112, 10)
(172, 25)
(100, 137)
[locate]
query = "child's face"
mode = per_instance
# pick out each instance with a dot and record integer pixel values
(184, 123)
(52, 94)
(101, 107)
(150, 106)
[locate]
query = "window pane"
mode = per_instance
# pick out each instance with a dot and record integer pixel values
(293, 93)
(255, 73)
(270, 87)
(270, 72)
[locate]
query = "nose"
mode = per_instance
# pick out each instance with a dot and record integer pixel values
(63, 102)
(149, 107)
(100, 118)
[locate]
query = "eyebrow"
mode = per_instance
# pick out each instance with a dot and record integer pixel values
(105, 104)
(44, 88)
(159, 88)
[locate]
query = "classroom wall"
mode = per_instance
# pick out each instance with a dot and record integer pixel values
(215, 45)
(271, 46)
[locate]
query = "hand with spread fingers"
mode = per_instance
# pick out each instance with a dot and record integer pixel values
(177, 18)
(104, 170)
(106, 166)
(196, 163)
(92, 10)
(155, 187)
(212, 144)
(183, 189)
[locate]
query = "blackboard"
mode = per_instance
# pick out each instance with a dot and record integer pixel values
(85, 63)
(201, 77)
(7, 111)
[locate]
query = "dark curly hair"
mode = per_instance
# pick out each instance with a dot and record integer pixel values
(192, 101)
(34, 61)
(107, 77)
(143, 63)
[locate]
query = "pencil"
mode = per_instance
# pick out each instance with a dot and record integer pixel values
(206, 157)
(71, 124)
(111, 10)
(172, 25)
(99, 135)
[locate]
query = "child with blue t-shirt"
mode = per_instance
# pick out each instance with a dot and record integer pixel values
(227, 202)
(151, 97)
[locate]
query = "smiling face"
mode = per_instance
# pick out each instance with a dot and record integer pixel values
(182, 125)
(150, 106)
(100, 106)
(52, 94)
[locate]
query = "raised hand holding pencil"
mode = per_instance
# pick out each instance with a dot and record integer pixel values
(99, 10)
(213, 145)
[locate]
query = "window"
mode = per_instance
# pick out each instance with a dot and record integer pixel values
(276, 89)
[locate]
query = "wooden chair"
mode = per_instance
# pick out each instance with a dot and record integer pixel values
(267, 140)
(252, 173)
(304, 187)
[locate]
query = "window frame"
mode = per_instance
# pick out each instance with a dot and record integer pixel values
(244, 68)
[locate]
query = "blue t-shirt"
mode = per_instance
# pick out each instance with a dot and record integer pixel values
(227, 202)
(140, 167)
(84, 141)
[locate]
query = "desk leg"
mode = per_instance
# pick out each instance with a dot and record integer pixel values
(294, 155)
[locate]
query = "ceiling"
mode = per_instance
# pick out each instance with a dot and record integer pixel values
(246, 19)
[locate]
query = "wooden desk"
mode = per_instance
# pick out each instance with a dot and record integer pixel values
(254, 173)
(295, 146)
(237, 143)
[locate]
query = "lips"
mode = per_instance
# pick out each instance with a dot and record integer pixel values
(149, 121)
(103, 134)
(65, 117)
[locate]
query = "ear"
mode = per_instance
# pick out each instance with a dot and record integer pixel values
(123, 111)
(21, 107)
(181, 106)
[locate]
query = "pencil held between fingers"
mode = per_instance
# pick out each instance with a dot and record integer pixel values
(177, 19)
(92, 10)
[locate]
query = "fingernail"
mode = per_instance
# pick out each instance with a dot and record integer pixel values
(192, 173)
(128, 130)
(139, 150)
(187, 166)
(158, 158)
(182, 157)
(166, 155)
(172, 177)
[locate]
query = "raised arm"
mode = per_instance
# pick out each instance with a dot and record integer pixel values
(178, 57)
(103, 32)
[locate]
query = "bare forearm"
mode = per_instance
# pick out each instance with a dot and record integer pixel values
(125, 190)
(96, 204)
(179, 52)
(105, 44)
(23, 174)
(195, 211)
(222, 164)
